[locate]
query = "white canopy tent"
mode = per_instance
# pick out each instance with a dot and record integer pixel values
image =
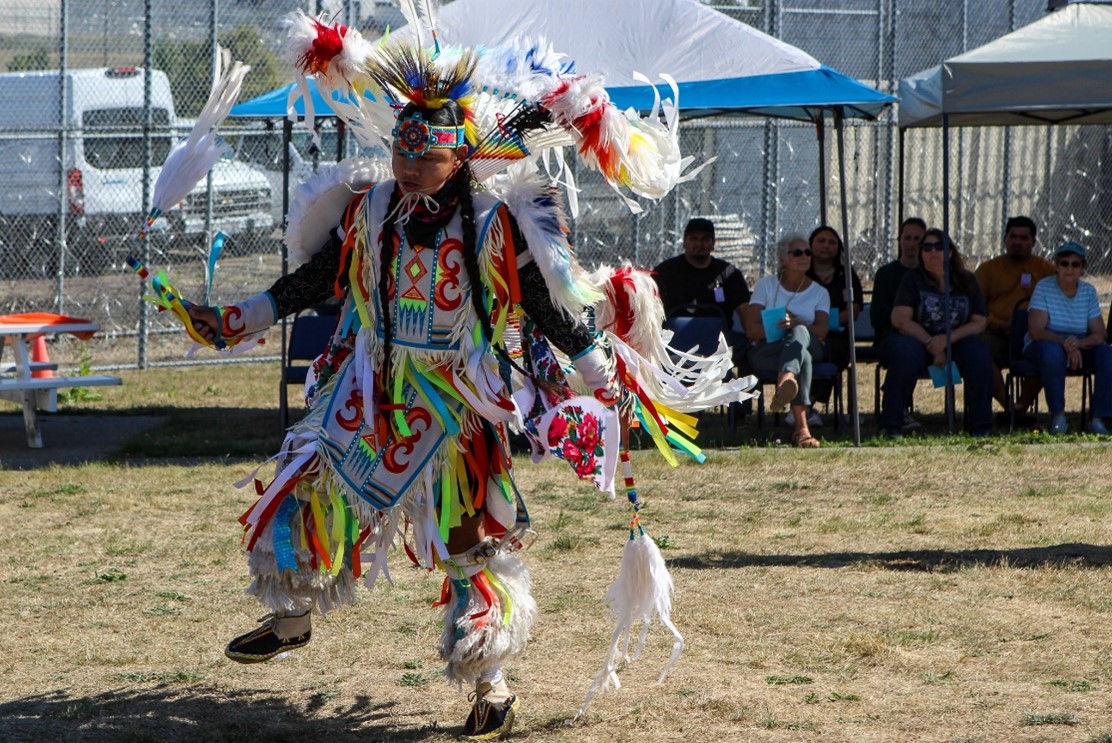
(721, 65)
(1057, 70)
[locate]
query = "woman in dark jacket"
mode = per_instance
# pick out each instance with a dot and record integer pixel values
(919, 316)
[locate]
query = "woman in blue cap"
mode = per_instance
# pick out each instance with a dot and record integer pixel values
(1065, 332)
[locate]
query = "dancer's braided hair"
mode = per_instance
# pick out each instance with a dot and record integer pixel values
(386, 258)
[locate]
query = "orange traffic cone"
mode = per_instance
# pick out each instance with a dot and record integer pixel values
(38, 353)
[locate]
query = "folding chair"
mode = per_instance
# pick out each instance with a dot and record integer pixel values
(819, 370)
(309, 335)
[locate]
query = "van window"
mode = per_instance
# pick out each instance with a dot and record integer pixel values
(114, 138)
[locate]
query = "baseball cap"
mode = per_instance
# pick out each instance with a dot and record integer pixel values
(1071, 247)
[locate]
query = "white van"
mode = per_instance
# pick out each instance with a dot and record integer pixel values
(99, 184)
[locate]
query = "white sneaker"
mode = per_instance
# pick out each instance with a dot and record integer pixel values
(909, 422)
(814, 420)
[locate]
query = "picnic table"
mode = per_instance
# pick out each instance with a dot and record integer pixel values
(18, 379)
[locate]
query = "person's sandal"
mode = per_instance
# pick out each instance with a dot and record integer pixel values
(785, 393)
(804, 440)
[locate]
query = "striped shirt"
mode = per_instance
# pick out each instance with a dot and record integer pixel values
(1067, 315)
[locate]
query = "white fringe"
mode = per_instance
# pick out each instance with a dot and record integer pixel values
(642, 590)
(486, 647)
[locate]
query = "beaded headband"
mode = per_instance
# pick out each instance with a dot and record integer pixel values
(414, 136)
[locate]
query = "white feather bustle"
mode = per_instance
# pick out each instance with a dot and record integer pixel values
(641, 592)
(318, 204)
(487, 643)
(536, 205)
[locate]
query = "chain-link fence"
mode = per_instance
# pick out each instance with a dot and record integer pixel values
(74, 178)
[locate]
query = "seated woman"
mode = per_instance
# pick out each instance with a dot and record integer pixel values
(801, 331)
(919, 317)
(1065, 331)
(828, 270)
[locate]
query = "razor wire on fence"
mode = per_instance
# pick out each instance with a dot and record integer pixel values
(72, 177)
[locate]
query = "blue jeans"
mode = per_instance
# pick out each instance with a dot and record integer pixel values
(1050, 358)
(907, 358)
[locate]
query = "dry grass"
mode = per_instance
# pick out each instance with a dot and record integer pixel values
(944, 594)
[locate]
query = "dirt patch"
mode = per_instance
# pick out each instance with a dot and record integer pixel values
(69, 439)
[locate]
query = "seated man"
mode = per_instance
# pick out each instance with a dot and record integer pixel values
(696, 281)
(886, 283)
(1007, 281)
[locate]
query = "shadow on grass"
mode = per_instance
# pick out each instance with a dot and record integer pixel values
(209, 432)
(174, 713)
(1061, 555)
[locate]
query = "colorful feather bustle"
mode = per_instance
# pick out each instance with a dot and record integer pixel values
(520, 99)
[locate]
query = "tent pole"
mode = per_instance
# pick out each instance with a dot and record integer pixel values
(946, 271)
(839, 130)
(901, 195)
(287, 138)
(820, 131)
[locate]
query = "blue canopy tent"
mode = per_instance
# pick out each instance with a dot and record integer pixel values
(721, 66)
(272, 105)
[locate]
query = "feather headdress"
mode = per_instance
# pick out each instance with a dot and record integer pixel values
(520, 99)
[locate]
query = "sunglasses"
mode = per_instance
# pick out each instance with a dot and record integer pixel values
(1071, 264)
(797, 252)
(931, 246)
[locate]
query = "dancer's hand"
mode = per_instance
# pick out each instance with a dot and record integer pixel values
(205, 321)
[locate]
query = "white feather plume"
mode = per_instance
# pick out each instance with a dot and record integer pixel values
(641, 592)
(194, 156)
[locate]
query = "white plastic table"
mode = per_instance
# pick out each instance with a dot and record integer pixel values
(39, 393)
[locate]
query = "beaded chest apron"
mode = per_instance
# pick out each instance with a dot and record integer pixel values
(381, 456)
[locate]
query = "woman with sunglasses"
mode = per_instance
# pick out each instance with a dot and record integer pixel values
(918, 315)
(1065, 331)
(797, 312)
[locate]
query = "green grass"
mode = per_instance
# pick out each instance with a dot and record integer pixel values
(1031, 719)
